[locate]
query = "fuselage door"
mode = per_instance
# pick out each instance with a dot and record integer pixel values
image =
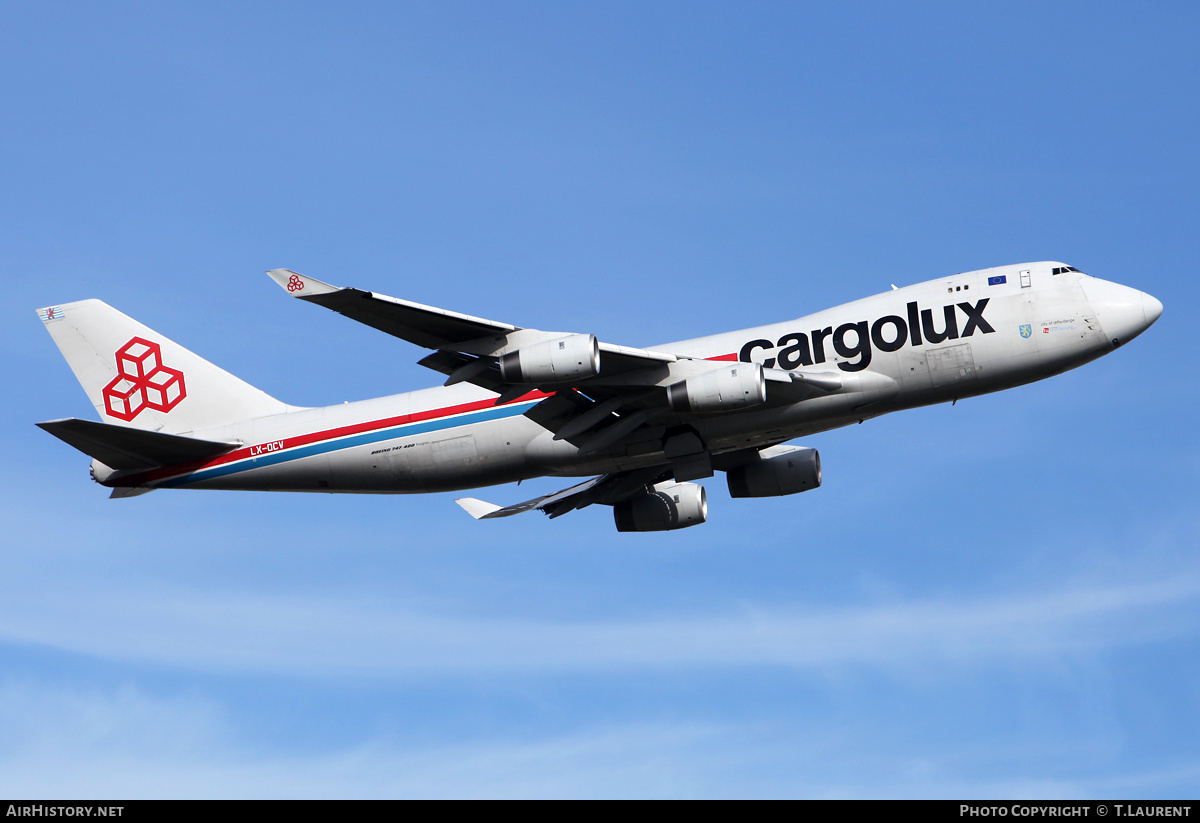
(1025, 279)
(430, 466)
(951, 365)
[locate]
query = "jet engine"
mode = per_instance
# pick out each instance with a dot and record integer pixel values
(779, 470)
(732, 387)
(553, 361)
(666, 507)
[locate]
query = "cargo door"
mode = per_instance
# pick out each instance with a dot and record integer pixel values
(951, 365)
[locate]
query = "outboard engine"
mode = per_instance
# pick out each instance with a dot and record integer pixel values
(668, 506)
(778, 470)
(574, 357)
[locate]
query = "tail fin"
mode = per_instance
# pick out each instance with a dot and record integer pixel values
(136, 377)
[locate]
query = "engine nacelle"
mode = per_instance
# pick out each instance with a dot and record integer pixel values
(779, 470)
(553, 361)
(668, 507)
(735, 386)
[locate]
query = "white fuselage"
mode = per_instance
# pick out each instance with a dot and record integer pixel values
(928, 343)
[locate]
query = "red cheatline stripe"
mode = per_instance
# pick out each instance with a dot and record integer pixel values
(724, 357)
(316, 437)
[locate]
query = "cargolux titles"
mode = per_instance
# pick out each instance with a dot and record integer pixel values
(888, 334)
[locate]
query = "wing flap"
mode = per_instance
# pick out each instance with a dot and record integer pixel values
(481, 371)
(618, 359)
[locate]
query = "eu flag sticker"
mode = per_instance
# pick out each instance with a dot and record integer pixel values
(997, 280)
(1027, 331)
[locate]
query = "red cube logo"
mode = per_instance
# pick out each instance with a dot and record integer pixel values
(142, 382)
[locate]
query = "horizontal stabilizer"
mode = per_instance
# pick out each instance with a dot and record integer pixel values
(122, 447)
(121, 492)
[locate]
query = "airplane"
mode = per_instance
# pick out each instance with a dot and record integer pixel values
(642, 423)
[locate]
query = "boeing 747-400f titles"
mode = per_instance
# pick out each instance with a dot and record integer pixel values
(520, 403)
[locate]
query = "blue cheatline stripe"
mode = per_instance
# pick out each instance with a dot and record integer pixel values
(406, 430)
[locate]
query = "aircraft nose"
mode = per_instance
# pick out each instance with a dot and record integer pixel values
(1124, 313)
(1152, 308)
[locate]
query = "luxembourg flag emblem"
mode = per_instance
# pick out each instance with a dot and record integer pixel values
(1026, 330)
(52, 313)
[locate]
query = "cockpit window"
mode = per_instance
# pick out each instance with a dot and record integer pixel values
(1063, 269)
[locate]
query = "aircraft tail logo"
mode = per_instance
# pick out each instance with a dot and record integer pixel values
(142, 382)
(135, 376)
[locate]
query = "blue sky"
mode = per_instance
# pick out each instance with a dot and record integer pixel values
(1000, 598)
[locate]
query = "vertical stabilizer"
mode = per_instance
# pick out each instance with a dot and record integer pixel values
(136, 377)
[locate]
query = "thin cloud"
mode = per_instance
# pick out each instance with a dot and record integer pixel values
(78, 742)
(292, 635)
(89, 743)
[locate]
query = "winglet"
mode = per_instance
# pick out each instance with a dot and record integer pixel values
(477, 508)
(298, 285)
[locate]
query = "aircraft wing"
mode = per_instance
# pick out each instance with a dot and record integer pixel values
(424, 325)
(608, 490)
(446, 331)
(625, 398)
